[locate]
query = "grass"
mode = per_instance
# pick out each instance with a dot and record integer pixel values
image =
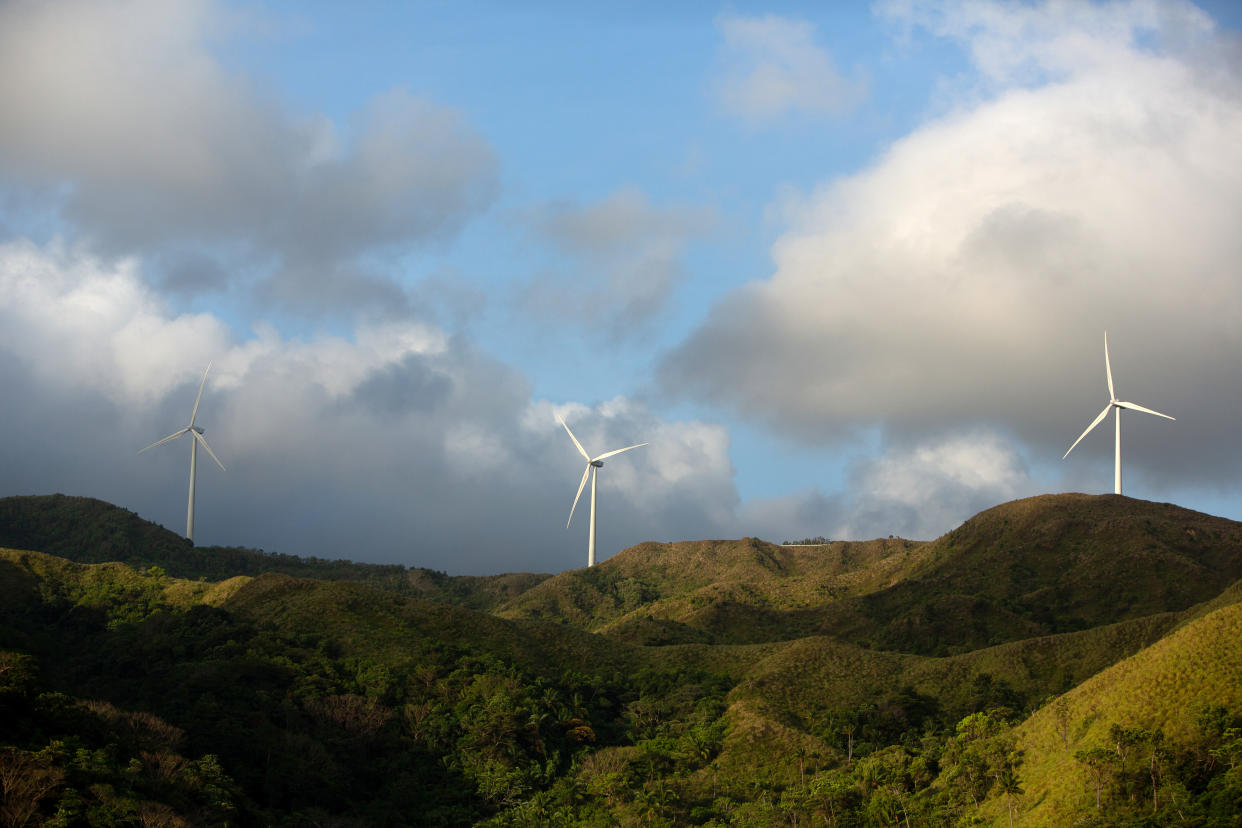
(1160, 687)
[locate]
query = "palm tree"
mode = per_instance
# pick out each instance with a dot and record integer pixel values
(1008, 783)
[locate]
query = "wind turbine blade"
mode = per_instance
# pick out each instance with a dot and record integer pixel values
(1137, 407)
(581, 450)
(199, 398)
(581, 486)
(203, 440)
(1094, 423)
(172, 436)
(618, 451)
(1108, 369)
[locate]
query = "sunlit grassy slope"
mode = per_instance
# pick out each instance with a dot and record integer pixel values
(1162, 687)
(719, 590)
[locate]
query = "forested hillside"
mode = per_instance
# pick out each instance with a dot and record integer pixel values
(1053, 661)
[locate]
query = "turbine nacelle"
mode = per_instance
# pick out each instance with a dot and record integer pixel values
(599, 464)
(199, 429)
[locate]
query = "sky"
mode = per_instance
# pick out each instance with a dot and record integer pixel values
(847, 268)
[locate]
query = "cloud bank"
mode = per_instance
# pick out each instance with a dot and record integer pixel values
(964, 280)
(398, 443)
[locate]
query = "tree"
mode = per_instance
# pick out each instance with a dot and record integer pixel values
(1007, 783)
(1061, 712)
(1101, 766)
(835, 792)
(24, 783)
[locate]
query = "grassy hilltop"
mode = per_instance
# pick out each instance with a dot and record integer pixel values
(1059, 660)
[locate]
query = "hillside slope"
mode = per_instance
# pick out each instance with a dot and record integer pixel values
(1034, 567)
(1041, 566)
(86, 530)
(1164, 688)
(716, 591)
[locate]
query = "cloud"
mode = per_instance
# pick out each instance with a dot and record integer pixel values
(119, 114)
(914, 490)
(397, 442)
(619, 260)
(923, 490)
(773, 67)
(1031, 44)
(966, 278)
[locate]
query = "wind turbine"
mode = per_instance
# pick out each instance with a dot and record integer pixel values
(594, 464)
(1116, 405)
(197, 432)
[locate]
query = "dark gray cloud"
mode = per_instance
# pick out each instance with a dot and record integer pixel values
(402, 387)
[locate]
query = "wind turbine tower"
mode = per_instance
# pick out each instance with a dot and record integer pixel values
(594, 464)
(197, 433)
(1115, 405)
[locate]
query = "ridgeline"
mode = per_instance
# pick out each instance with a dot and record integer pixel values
(1064, 659)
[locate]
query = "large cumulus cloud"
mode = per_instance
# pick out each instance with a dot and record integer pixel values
(965, 279)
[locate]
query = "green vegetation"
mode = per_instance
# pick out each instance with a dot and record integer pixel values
(1054, 661)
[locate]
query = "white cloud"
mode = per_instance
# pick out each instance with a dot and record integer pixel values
(924, 490)
(119, 114)
(774, 67)
(967, 277)
(1013, 43)
(108, 332)
(917, 491)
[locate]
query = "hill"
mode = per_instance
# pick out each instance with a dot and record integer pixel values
(712, 591)
(86, 530)
(711, 682)
(1066, 562)
(1035, 567)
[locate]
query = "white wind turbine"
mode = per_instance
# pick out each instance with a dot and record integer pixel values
(197, 432)
(1116, 405)
(593, 466)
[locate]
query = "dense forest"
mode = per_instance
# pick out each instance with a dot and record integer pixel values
(1062, 660)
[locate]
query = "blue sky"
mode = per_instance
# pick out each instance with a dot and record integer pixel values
(846, 267)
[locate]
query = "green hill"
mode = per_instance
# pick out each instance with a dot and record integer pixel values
(712, 683)
(1071, 561)
(713, 591)
(1030, 568)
